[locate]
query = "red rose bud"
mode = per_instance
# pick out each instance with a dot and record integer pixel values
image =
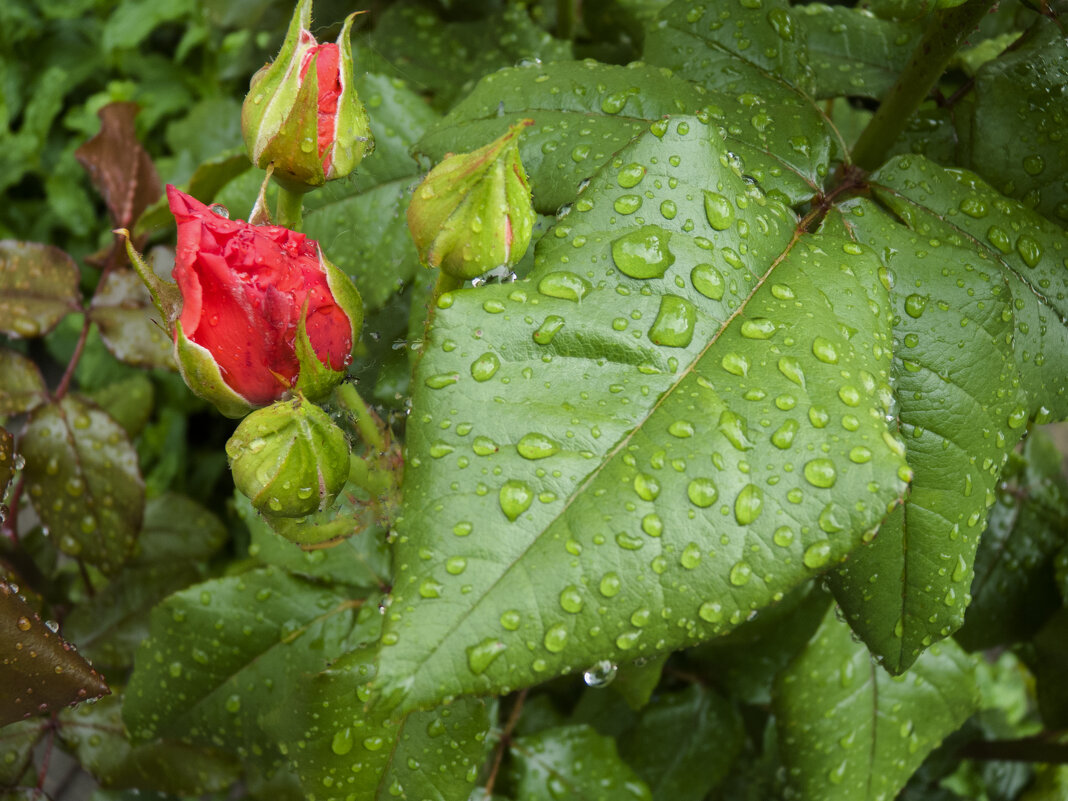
(308, 122)
(473, 212)
(263, 313)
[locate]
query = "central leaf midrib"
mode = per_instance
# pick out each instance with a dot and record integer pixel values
(610, 454)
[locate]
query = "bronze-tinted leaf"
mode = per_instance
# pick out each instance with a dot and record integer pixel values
(129, 322)
(7, 460)
(83, 479)
(38, 287)
(39, 671)
(21, 386)
(120, 168)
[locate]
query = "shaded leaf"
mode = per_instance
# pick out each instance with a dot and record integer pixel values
(360, 560)
(572, 762)
(38, 287)
(876, 729)
(637, 681)
(7, 461)
(38, 669)
(129, 322)
(340, 752)
(684, 744)
(852, 52)
(96, 736)
(129, 402)
(22, 388)
(1014, 588)
(119, 166)
(223, 653)
(583, 112)
(17, 741)
(83, 479)
(959, 414)
(446, 58)
(135, 19)
(1048, 661)
(176, 529)
(1020, 114)
(677, 456)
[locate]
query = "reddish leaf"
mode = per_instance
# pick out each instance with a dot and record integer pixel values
(39, 671)
(120, 168)
(38, 287)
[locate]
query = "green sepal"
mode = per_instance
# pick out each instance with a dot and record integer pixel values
(345, 295)
(315, 380)
(166, 296)
(353, 139)
(202, 375)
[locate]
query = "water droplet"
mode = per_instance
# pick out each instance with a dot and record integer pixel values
(479, 657)
(682, 429)
(783, 536)
(824, 350)
(749, 504)
(702, 492)
(652, 525)
(691, 556)
(483, 446)
(430, 588)
(719, 211)
(735, 430)
(784, 435)
(1034, 164)
(675, 322)
(1029, 249)
(515, 498)
(915, 304)
(564, 285)
(600, 674)
(735, 364)
(643, 253)
(571, 600)
(707, 280)
(833, 519)
(647, 487)
(548, 329)
(343, 741)
(820, 473)
(710, 611)
(485, 366)
(555, 638)
(613, 103)
(791, 368)
(536, 446)
(817, 554)
(758, 328)
(442, 380)
(740, 574)
(610, 585)
(1018, 417)
(627, 204)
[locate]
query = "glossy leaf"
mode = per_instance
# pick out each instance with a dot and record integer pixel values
(82, 478)
(38, 287)
(129, 323)
(129, 402)
(22, 388)
(39, 670)
(678, 456)
(17, 742)
(1014, 588)
(96, 736)
(573, 762)
(854, 53)
(583, 112)
(340, 752)
(684, 744)
(637, 682)
(953, 350)
(360, 560)
(217, 651)
(1019, 117)
(876, 729)
(446, 58)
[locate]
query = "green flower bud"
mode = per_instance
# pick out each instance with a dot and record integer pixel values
(302, 113)
(289, 458)
(473, 212)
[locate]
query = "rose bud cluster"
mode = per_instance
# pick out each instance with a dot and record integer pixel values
(263, 312)
(302, 113)
(473, 212)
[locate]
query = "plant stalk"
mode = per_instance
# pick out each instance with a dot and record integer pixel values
(290, 209)
(565, 19)
(366, 420)
(945, 33)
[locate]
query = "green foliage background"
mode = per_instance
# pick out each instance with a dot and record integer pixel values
(736, 488)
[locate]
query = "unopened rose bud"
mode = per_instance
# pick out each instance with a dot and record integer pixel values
(289, 458)
(263, 312)
(473, 212)
(302, 113)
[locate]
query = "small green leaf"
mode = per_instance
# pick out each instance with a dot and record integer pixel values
(17, 741)
(39, 671)
(684, 744)
(1048, 660)
(636, 682)
(573, 762)
(133, 20)
(850, 731)
(38, 287)
(96, 736)
(129, 402)
(83, 479)
(129, 322)
(218, 651)
(22, 388)
(1014, 590)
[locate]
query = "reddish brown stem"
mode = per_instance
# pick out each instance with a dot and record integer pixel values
(506, 737)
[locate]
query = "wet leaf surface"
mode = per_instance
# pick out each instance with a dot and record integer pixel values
(129, 323)
(39, 670)
(22, 388)
(38, 287)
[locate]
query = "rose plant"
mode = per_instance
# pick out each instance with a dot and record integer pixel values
(708, 461)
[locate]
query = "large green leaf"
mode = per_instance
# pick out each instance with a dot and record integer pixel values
(22, 387)
(38, 287)
(583, 113)
(873, 730)
(343, 754)
(573, 762)
(83, 479)
(707, 430)
(1018, 118)
(222, 653)
(752, 57)
(959, 413)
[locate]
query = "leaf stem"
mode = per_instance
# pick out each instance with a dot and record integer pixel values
(68, 374)
(367, 422)
(945, 33)
(1025, 749)
(502, 744)
(290, 209)
(565, 19)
